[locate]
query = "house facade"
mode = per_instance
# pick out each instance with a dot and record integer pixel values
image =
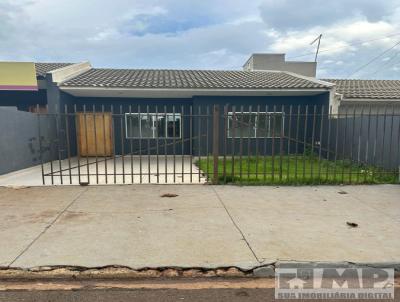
(270, 108)
(170, 111)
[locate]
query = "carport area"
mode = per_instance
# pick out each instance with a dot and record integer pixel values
(109, 170)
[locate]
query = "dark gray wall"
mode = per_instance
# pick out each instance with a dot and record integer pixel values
(369, 139)
(124, 105)
(261, 146)
(23, 99)
(19, 139)
(199, 126)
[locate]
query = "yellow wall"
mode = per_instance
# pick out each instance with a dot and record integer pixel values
(17, 76)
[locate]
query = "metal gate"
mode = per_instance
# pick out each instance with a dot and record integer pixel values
(253, 144)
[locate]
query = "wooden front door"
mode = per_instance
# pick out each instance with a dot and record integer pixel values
(94, 134)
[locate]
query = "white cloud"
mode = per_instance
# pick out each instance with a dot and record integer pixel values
(200, 33)
(303, 14)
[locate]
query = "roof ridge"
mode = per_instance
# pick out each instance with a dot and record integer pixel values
(311, 79)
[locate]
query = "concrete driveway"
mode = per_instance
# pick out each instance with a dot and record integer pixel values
(121, 170)
(204, 226)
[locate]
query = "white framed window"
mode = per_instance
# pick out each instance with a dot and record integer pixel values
(152, 125)
(255, 124)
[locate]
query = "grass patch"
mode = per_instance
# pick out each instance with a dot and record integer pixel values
(293, 170)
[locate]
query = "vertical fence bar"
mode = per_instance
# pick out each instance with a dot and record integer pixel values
(86, 143)
(267, 135)
(57, 120)
(312, 144)
(130, 141)
(336, 145)
(182, 123)
(297, 143)
(321, 128)
(375, 159)
(121, 115)
(207, 142)
(249, 137)
(382, 168)
(288, 143)
(273, 145)
(40, 143)
(140, 145)
(215, 144)
(157, 147)
(398, 147)
(367, 143)
(360, 129)
(105, 144)
(150, 118)
(66, 117)
(281, 134)
(165, 145)
(77, 119)
(174, 141)
(328, 143)
(344, 143)
(233, 142)
(281, 143)
(241, 145)
(328, 152)
(199, 139)
(50, 151)
(305, 143)
(225, 134)
(114, 144)
(391, 137)
(257, 125)
(352, 145)
(95, 142)
(191, 141)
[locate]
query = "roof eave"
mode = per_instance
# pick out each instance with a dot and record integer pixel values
(370, 99)
(184, 92)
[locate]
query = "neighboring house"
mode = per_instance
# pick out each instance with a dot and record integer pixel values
(266, 61)
(27, 100)
(377, 96)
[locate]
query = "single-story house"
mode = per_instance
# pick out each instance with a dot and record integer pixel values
(172, 104)
(154, 105)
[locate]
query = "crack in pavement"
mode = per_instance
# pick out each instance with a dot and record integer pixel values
(236, 226)
(48, 226)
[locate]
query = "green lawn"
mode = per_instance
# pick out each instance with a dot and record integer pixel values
(295, 170)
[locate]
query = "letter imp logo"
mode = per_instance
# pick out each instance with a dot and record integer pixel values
(334, 283)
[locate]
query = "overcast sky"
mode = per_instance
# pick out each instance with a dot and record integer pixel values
(204, 34)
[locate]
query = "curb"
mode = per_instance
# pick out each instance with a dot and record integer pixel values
(122, 272)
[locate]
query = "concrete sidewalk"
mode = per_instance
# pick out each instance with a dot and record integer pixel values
(204, 226)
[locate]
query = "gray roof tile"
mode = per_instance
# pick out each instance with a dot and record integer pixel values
(190, 79)
(43, 68)
(367, 89)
